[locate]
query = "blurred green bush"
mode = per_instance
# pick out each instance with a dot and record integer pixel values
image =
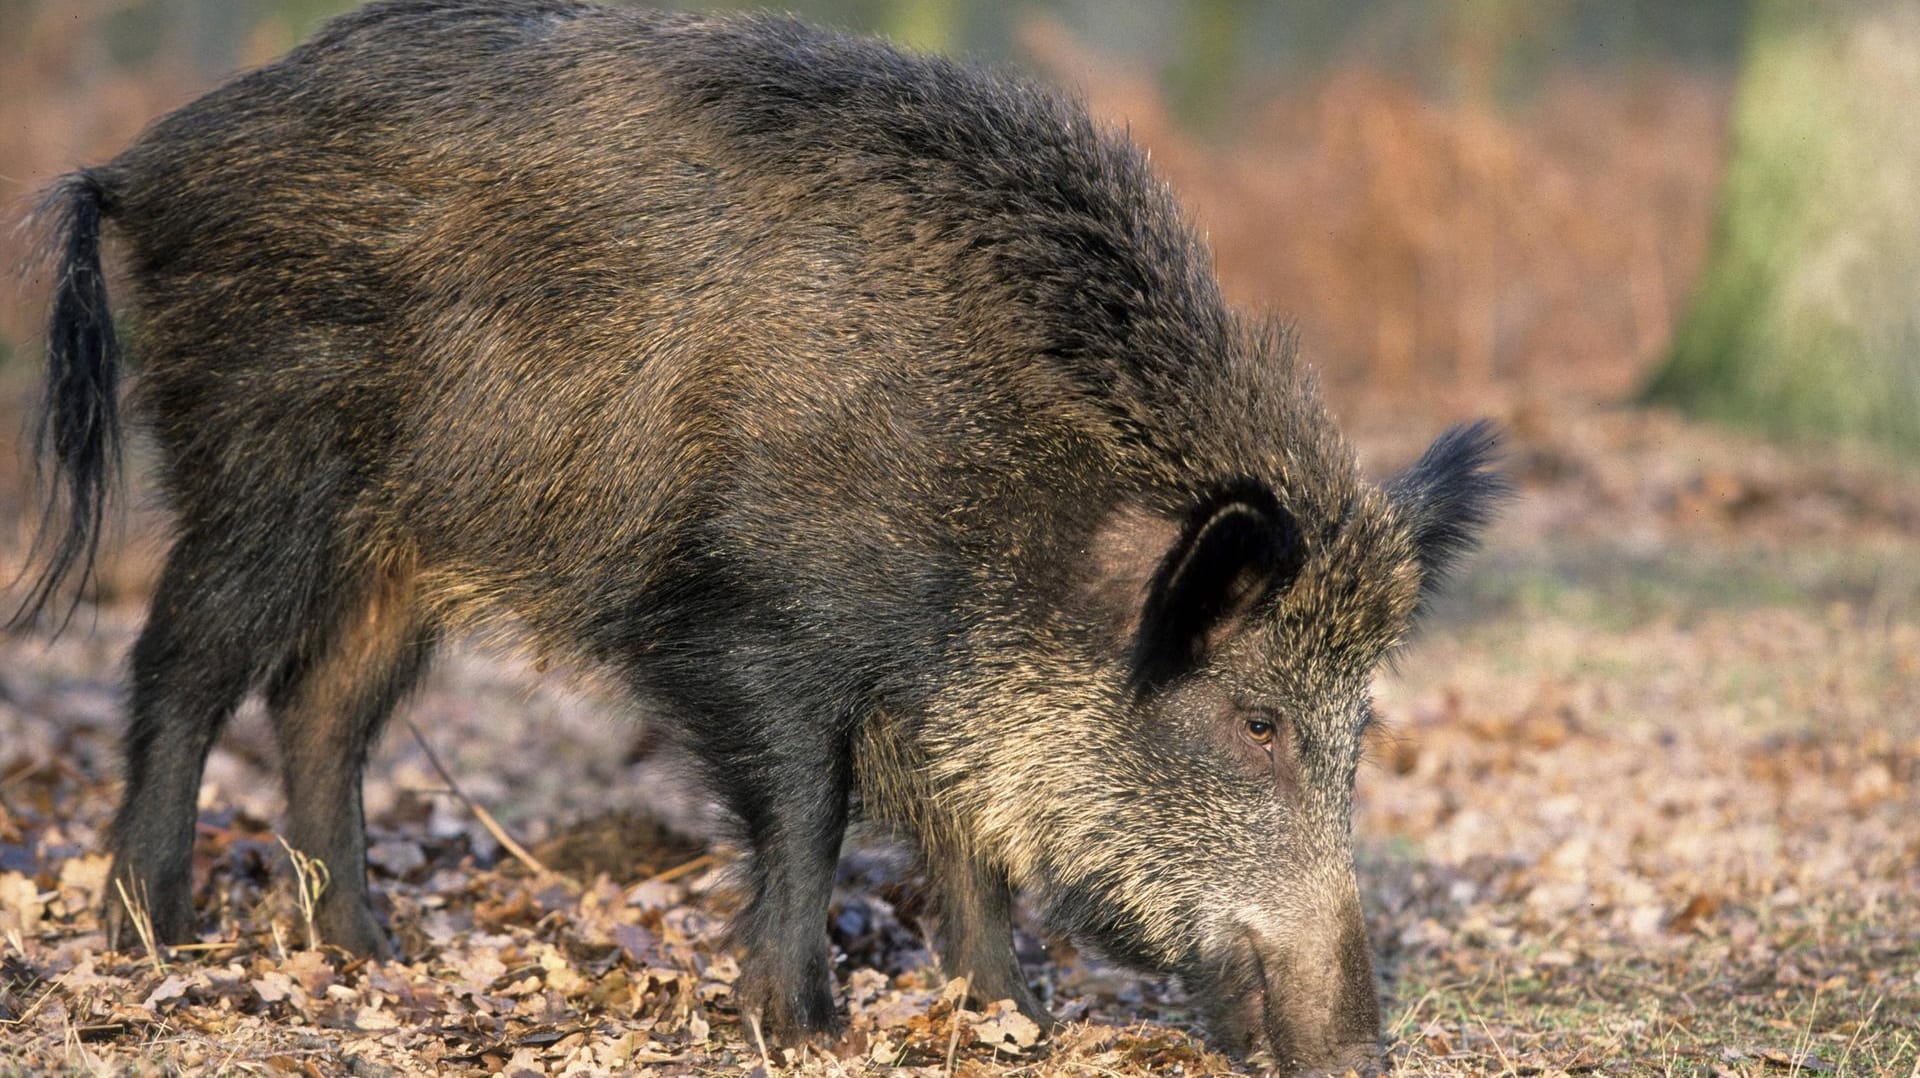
(1807, 319)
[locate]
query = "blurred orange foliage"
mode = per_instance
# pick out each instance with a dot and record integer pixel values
(1454, 252)
(1447, 250)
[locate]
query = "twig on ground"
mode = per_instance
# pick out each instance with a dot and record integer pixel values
(766, 1060)
(29, 1012)
(480, 813)
(953, 1039)
(684, 868)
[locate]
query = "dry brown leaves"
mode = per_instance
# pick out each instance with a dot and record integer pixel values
(504, 973)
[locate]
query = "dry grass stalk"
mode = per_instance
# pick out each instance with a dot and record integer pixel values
(141, 916)
(311, 878)
(1865, 1021)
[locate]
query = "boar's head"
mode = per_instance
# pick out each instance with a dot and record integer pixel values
(1190, 812)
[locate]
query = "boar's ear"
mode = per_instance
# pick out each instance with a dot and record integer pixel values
(1238, 547)
(1448, 496)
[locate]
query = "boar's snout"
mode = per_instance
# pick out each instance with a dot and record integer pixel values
(1310, 1006)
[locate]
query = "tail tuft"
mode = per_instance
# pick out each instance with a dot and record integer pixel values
(78, 432)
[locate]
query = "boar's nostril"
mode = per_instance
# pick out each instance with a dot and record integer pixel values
(1304, 1000)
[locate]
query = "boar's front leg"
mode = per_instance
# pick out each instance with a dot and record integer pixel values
(976, 931)
(791, 796)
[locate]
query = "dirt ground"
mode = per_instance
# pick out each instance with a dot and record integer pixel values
(1643, 802)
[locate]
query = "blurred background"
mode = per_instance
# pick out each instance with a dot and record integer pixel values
(1542, 210)
(1503, 191)
(1483, 207)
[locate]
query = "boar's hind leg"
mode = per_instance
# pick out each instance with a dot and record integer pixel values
(328, 705)
(792, 801)
(217, 620)
(976, 933)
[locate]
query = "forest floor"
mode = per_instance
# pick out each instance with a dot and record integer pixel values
(1644, 803)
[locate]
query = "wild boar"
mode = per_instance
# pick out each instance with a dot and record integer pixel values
(875, 419)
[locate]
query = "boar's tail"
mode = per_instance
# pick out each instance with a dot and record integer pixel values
(78, 432)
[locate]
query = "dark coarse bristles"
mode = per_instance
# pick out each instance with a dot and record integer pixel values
(1450, 494)
(77, 436)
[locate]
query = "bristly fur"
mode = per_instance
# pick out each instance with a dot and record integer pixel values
(1451, 493)
(873, 419)
(78, 435)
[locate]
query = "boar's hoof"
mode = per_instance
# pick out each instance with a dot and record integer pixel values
(353, 928)
(167, 910)
(788, 1017)
(1362, 1059)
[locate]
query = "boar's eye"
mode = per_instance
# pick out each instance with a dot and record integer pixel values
(1260, 731)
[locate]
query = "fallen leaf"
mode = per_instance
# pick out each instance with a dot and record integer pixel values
(20, 904)
(272, 986)
(311, 970)
(1698, 909)
(1004, 1027)
(174, 987)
